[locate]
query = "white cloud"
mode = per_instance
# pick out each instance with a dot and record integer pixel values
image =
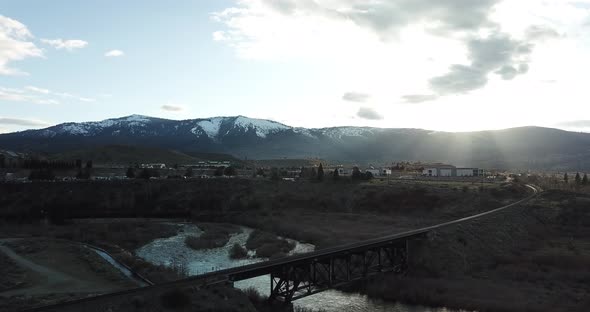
(38, 95)
(69, 45)
(23, 122)
(413, 50)
(35, 89)
(114, 53)
(15, 45)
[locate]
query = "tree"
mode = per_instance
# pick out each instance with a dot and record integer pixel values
(130, 173)
(274, 174)
(218, 171)
(147, 173)
(565, 178)
(83, 174)
(356, 173)
(368, 175)
(41, 174)
(321, 173)
(585, 180)
(229, 171)
(89, 164)
(578, 178)
(189, 172)
(313, 174)
(260, 172)
(336, 175)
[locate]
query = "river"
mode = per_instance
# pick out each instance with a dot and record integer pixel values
(173, 251)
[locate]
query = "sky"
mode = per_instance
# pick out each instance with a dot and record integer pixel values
(453, 65)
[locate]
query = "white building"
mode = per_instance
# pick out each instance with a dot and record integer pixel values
(385, 171)
(441, 170)
(438, 170)
(469, 172)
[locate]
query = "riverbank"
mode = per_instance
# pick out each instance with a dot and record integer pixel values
(531, 258)
(53, 271)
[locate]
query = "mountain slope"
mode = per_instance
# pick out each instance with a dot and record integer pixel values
(125, 154)
(242, 137)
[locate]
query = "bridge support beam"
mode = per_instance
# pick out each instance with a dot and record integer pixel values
(300, 279)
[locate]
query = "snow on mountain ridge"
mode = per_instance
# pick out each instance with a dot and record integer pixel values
(210, 126)
(261, 126)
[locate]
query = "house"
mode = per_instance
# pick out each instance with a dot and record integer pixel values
(385, 171)
(154, 166)
(343, 172)
(374, 172)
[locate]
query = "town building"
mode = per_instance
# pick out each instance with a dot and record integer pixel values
(444, 170)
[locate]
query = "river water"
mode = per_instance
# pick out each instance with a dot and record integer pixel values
(172, 251)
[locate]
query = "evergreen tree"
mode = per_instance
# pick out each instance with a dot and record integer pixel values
(218, 171)
(578, 178)
(565, 178)
(336, 175)
(83, 174)
(356, 173)
(321, 173)
(585, 180)
(189, 172)
(274, 174)
(230, 171)
(130, 173)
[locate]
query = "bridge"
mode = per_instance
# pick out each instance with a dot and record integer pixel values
(303, 275)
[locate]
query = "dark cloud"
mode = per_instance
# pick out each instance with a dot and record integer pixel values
(419, 98)
(171, 108)
(369, 113)
(356, 97)
(497, 53)
(459, 79)
(507, 72)
(22, 122)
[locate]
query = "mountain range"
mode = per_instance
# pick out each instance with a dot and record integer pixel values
(243, 137)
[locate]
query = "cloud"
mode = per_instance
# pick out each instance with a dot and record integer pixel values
(172, 108)
(356, 97)
(38, 95)
(541, 32)
(419, 98)
(369, 113)
(498, 53)
(69, 45)
(15, 45)
(23, 122)
(39, 90)
(114, 53)
(575, 124)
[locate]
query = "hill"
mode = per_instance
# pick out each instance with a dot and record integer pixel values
(126, 154)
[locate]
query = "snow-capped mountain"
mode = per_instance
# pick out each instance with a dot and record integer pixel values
(243, 137)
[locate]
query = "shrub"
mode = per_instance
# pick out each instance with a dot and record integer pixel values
(268, 245)
(238, 252)
(175, 299)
